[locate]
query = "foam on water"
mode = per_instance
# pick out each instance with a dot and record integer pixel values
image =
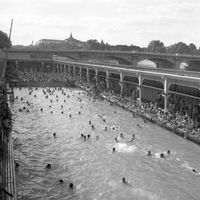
(125, 148)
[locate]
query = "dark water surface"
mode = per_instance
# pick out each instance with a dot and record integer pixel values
(94, 169)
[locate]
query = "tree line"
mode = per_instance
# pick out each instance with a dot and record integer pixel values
(155, 46)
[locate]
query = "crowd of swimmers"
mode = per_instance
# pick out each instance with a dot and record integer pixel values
(181, 117)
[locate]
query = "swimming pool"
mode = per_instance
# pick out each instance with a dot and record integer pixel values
(90, 164)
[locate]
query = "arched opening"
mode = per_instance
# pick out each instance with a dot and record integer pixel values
(130, 87)
(156, 63)
(184, 99)
(114, 83)
(152, 92)
(193, 65)
(146, 63)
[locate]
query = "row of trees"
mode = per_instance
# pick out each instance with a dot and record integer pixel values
(5, 43)
(154, 46)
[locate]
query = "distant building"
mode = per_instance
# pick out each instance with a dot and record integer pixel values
(70, 41)
(49, 41)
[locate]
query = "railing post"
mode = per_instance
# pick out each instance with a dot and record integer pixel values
(121, 83)
(107, 79)
(88, 77)
(140, 88)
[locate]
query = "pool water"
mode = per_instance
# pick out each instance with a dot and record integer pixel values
(91, 165)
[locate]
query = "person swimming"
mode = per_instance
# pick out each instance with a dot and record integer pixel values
(113, 150)
(124, 180)
(62, 112)
(92, 127)
(133, 138)
(88, 136)
(162, 155)
(116, 140)
(54, 135)
(82, 135)
(17, 165)
(149, 153)
(168, 152)
(48, 166)
(51, 112)
(71, 185)
(79, 112)
(90, 122)
(70, 115)
(121, 135)
(195, 172)
(61, 181)
(106, 128)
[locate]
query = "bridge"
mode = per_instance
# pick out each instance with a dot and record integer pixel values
(168, 61)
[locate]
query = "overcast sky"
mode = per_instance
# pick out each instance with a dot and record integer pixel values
(128, 22)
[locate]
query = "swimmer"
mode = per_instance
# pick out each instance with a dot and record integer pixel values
(70, 115)
(82, 135)
(61, 181)
(17, 165)
(79, 112)
(104, 120)
(54, 135)
(92, 127)
(27, 110)
(124, 180)
(48, 166)
(20, 110)
(62, 112)
(90, 122)
(168, 152)
(106, 128)
(116, 140)
(195, 172)
(49, 106)
(71, 185)
(24, 107)
(162, 155)
(41, 110)
(121, 135)
(88, 136)
(113, 150)
(149, 153)
(51, 112)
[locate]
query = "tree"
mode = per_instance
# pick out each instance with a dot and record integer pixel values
(5, 43)
(156, 46)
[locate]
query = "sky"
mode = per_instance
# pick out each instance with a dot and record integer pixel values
(126, 22)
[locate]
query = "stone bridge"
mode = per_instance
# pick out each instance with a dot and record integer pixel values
(169, 61)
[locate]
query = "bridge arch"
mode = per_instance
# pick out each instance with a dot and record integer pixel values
(159, 63)
(193, 65)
